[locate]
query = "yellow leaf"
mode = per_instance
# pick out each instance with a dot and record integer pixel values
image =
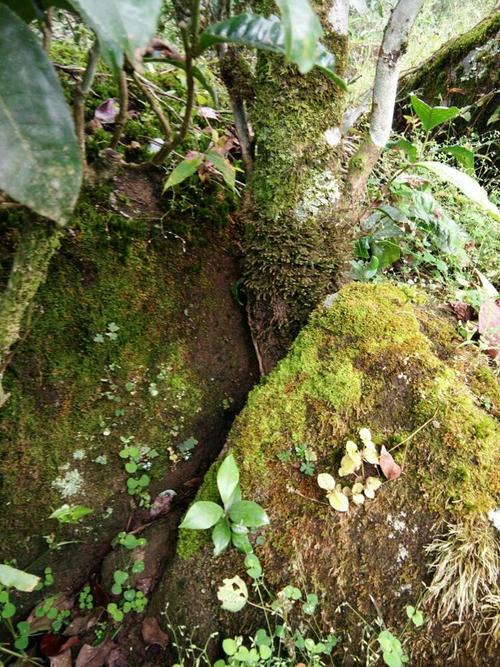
(326, 481)
(338, 500)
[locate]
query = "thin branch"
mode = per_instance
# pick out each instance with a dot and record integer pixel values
(384, 97)
(82, 90)
(144, 87)
(166, 149)
(122, 117)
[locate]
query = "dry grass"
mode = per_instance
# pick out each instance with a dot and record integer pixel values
(466, 567)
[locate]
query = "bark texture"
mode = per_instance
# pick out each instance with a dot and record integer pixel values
(292, 241)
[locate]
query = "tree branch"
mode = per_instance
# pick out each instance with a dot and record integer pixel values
(82, 90)
(121, 118)
(384, 98)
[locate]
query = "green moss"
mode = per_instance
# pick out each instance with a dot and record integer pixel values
(66, 387)
(365, 362)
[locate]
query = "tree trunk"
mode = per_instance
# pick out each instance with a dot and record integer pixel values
(293, 247)
(465, 71)
(38, 243)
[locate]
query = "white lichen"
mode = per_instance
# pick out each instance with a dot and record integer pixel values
(68, 484)
(323, 193)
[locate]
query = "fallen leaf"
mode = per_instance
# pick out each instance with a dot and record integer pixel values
(51, 644)
(81, 624)
(389, 466)
(95, 656)
(162, 502)
(153, 634)
(489, 324)
(117, 658)
(107, 111)
(61, 660)
(208, 112)
(462, 311)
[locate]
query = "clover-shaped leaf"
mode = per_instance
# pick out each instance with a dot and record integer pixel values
(357, 494)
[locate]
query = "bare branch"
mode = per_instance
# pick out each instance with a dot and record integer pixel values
(82, 90)
(384, 97)
(122, 117)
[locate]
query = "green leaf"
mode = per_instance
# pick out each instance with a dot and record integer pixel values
(223, 166)
(10, 577)
(25, 9)
(249, 514)
(406, 146)
(254, 568)
(182, 171)
(463, 156)
(229, 646)
(202, 515)
(198, 74)
(463, 182)
(221, 537)
(22, 642)
(120, 577)
(122, 26)
(40, 165)
(258, 32)
(387, 252)
(70, 513)
(8, 610)
(431, 117)
(241, 542)
(302, 32)
(228, 477)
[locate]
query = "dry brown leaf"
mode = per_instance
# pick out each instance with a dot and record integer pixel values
(389, 466)
(95, 656)
(61, 660)
(153, 634)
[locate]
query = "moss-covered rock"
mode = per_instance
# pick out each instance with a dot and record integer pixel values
(362, 361)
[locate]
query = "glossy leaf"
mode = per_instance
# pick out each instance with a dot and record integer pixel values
(431, 117)
(122, 26)
(463, 156)
(11, 577)
(302, 32)
(40, 159)
(228, 477)
(258, 32)
(202, 515)
(241, 542)
(463, 182)
(183, 171)
(221, 536)
(249, 514)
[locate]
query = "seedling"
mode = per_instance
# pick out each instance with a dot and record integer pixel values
(232, 522)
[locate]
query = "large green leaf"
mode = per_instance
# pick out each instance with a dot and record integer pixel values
(463, 182)
(122, 26)
(183, 170)
(258, 32)
(463, 156)
(249, 514)
(40, 159)
(431, 117)
(228, 477)
(302, 32)
(26, 10)
(202, 515)
(11, 577)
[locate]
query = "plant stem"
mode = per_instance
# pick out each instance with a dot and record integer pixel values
(81, 92)
(414, 433)
(154, 103)
(121, 119)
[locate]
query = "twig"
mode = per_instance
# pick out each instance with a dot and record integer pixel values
(82, 90)
(155, 104)
(122, 117)
(414, 433)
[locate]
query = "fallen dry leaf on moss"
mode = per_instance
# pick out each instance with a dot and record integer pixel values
(389, 466)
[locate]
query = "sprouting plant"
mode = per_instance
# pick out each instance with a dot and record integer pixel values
(415, 616)
(110, 333)
(232, 522)
(86, 599)
(392, 651)
(130, 541)
(304, 455)
(281, 642)
(138, 461)
(185, 448)
(70, 513)
(351, 462)
(49, 610)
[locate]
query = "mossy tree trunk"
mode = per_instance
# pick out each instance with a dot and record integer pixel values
(292, 242)
(465, 71)
(37, 244)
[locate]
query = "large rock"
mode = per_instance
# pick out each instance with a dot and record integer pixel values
(372, 358)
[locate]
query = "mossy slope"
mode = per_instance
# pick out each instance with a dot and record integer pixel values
(362, 362)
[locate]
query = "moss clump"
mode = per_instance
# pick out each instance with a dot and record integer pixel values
(76, 390)
(364, 361)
